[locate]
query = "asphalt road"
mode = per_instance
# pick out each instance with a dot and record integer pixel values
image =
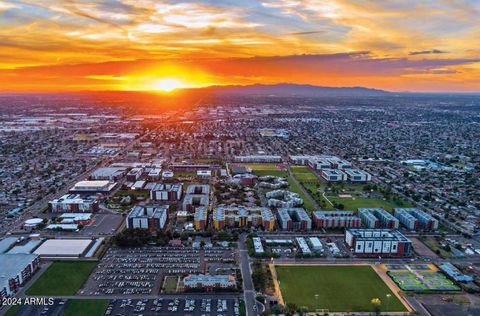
(248, 289)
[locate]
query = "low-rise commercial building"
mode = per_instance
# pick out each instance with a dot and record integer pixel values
(74, 203)
(209, 282)
(243, 216)
(454, 273)
(378, 242)
(257, 245)
(151, 217)
(336, 219)
(293, 219)
(302, 244)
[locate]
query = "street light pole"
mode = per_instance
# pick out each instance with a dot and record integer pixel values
(388, 301)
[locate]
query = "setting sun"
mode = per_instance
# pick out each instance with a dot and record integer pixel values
(168, 84)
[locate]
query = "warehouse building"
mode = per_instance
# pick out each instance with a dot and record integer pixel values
(74, 203)
(413, 219)
(335, 219)
(16, 269)
(243, 216)
(166, 192)
(370, 216)
(92, 187)
(64, 248)
(293, 219)
(378, 242)
(200, 218)
(333, 175)
(109, 173)
(315, 244)
(151, 217)
(357, 175)
(7, 243)
(209, 282)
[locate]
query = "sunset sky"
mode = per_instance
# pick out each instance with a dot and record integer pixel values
(396, 45)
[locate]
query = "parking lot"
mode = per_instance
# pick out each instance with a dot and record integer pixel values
(134, 271)
(56, 309)
(197, 305)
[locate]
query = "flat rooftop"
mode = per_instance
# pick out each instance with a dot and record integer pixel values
(63, 247)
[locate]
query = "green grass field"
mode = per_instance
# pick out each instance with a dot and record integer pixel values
(294, 188)
(170, 284)
(86, 307)
(62, 278)
(304, 174)
(276, 173)
(339, 288)
(354, 202)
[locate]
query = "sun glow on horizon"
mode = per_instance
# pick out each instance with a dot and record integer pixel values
(168, 84)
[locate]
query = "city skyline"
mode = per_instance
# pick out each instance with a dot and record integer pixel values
(51, 46)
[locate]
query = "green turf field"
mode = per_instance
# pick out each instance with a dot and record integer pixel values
(62, 278)
(304, 174)
(339, 288)
(260, 166)
(86, 307)
(170, 284)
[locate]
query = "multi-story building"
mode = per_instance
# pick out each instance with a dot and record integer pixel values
(335, 219)
(406, 219)
(333, 175)
(258, 159)
(293, 219)
(283, 199)
(413, 219)
(197, 195)
(209, 282)
(243, 216)
(386, 219)
(357, 175)
(378, 242)
(135, 174)
(151, 217)
(200, 218)
(74, 203)
(166, 192)
(16, 269)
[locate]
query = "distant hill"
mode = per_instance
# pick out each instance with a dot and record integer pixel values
(286, 89)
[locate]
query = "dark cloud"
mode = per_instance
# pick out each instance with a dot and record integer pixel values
(427, 52)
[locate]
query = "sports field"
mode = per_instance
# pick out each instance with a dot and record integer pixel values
(338, 288)
(86, 307)
(304, 174)
(62, 278)
(425, 281)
